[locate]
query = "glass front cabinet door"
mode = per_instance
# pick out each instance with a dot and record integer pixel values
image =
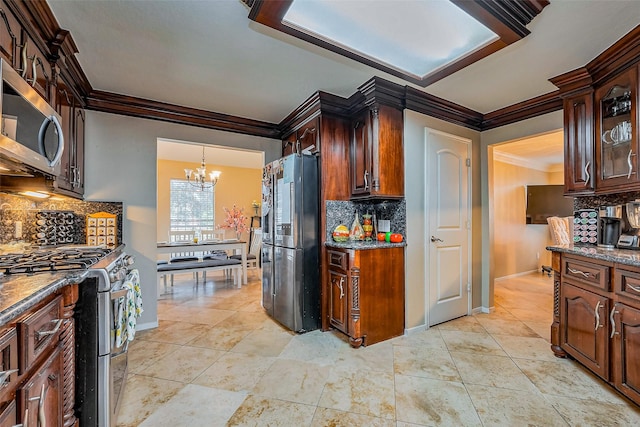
(616, 133)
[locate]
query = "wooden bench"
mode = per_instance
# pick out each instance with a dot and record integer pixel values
(233, 265)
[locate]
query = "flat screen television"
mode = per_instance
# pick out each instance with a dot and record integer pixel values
(544, 201)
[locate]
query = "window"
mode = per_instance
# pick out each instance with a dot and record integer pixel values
(191, 209)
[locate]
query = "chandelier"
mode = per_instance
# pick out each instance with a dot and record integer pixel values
(200, 176)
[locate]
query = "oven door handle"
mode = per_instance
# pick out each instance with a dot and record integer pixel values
(123, 351)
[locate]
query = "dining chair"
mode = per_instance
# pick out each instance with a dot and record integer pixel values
(183, 236)
(253, 256)
(206, 235)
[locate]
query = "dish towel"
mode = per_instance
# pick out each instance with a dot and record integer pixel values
(129, 308)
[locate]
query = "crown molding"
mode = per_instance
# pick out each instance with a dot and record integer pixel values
(154, 110)
(512, 159)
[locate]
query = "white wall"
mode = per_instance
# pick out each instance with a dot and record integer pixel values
(120, 164)
(415, 178)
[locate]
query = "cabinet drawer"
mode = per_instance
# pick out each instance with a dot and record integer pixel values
(338, 260)
(39, 330)
(589, 273)
(627, 284)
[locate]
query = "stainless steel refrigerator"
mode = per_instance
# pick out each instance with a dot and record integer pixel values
(290, 253)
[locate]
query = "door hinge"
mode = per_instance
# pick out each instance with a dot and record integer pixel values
(468, 224)
(468, 162)
(469, 287)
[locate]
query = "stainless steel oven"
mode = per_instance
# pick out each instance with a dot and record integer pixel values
(101, 365)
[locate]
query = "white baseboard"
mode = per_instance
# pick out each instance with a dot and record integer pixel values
(415, 329)
(498, 279)
(148, 325)
(483, 310)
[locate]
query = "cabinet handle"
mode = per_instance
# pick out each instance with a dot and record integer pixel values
(613, 322)
(25, 420)
(366, 180)
(634, 288)
(629, 163)
(55, 330)
(4, 376)
(23, 58)
(341, 288)
(572, 271)
(586, 172)
(42, 418)
(597, 313)
(34, 70)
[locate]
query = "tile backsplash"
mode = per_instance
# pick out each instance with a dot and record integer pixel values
(344, 212)
(594, 202)
(50, 222)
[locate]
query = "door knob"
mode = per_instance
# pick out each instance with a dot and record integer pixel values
(435, 239)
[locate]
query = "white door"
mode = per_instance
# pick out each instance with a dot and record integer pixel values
(449, 225)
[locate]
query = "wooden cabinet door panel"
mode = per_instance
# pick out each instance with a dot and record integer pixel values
(78, 165)
(42, 394)
(308, 137)
(338, 300)
(64, 107)
(578, 146)
(616, 161)
(584, 328)
(626, 350)
(9, 33)
(361, 155)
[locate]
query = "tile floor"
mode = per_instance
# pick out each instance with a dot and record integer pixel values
(216, 359)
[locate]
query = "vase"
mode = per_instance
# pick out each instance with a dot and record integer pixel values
(238, 235)
(367, 226)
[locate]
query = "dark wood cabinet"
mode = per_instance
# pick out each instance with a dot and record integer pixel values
(41, 396)
(579, 145)
(597, 316)
(71, 178)
(366, 293)
(616, 133)
(338, 282)
(307, 137)
(9, 36)
(584, 327)
(377, 153)
(35, 67)
(37, 351)
(626, 350)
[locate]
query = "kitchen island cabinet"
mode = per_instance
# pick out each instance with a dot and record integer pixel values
(37, 348)
(597, 313)
(366, 289)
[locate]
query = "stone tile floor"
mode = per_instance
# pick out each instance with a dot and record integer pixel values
(216, 359)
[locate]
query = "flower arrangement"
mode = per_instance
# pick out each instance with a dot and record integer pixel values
(235, 220)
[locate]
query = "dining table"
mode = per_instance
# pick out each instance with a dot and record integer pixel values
(208, 246)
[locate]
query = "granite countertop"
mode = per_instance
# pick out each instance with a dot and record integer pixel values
(620, 256)
(374, 244)
(20, 292)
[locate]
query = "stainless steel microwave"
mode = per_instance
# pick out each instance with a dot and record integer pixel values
(31, 138)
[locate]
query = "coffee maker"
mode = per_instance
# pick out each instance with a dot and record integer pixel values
(630, 239)
(610, 226)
